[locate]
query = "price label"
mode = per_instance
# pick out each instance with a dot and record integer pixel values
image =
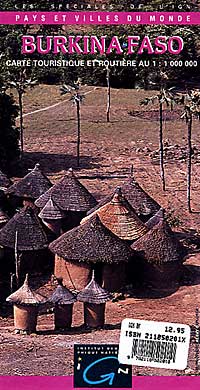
(154, 344)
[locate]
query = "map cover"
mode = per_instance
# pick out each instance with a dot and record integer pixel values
(99, 194)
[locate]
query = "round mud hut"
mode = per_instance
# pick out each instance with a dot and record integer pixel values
(52, 216)
(142, 203)
(25, 242)
(29, 188)
(161, 257)
(91, 245)
(26, 303)
(63, 301)
(71, 197)
(94, 298)
(119, 217)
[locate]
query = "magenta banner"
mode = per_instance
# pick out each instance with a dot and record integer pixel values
(66, 383)
(100, 18)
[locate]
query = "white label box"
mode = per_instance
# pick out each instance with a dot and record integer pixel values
(154, 344)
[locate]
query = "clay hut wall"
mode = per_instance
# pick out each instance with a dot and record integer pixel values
(75, 275)
(114, 276)
(162, 276)
(94, 314)
(25, 318)
(63, 316)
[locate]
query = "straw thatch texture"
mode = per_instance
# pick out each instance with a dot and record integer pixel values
(4, 181)
(62, 296)
(93, 293)
(4, 218)
(140, 201)
(30, 234)
(153, 221)
(69, 195)
(160, 245)
(26, 296)
(91, 242)
(119, 217)
(51, 211)
(34, 184)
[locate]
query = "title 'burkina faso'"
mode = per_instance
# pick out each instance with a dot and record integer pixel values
(87, 244)
(69, 195)
(31, 186)
(162, 255)
(119, 217)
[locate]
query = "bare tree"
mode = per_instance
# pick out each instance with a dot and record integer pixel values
(191, 109)
(164, 97)
(108, 93)
(21, 83)
(77, 97)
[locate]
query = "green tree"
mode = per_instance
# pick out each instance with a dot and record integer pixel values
(9, 134)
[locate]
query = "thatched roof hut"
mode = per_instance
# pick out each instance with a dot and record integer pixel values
(94, 298)
(52, 216)
(30, 233)
(63, 301)
(51, 211)
(119, 217)
(86, 246)
(69, 195)
(62, 296)
(160, 245)
(25, 296)
(143, 204)
(162, 255)
(34, 184)
(93, 293)
(5, 182)
(26, 303)
(91, 242)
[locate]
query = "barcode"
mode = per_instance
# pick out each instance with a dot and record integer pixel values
(154, 351)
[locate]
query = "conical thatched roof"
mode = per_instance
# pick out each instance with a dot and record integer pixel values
(91, 242)
(51, 211)
(3, 217)
(160, 245)
(34, 184)
(26, 296)
(119, 217)
(159, 216)
(4, 180)
(25, 231)
(93, 293)
(69, 195)
(140, 201)
(62, 296)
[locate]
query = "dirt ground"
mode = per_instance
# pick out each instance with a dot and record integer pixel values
(107, 148)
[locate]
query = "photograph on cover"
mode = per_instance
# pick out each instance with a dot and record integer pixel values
(99, 189)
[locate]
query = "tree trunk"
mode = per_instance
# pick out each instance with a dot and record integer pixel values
(162, 171)
(189, 164)
(21, 124)
(108, 95)
(78, 132)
